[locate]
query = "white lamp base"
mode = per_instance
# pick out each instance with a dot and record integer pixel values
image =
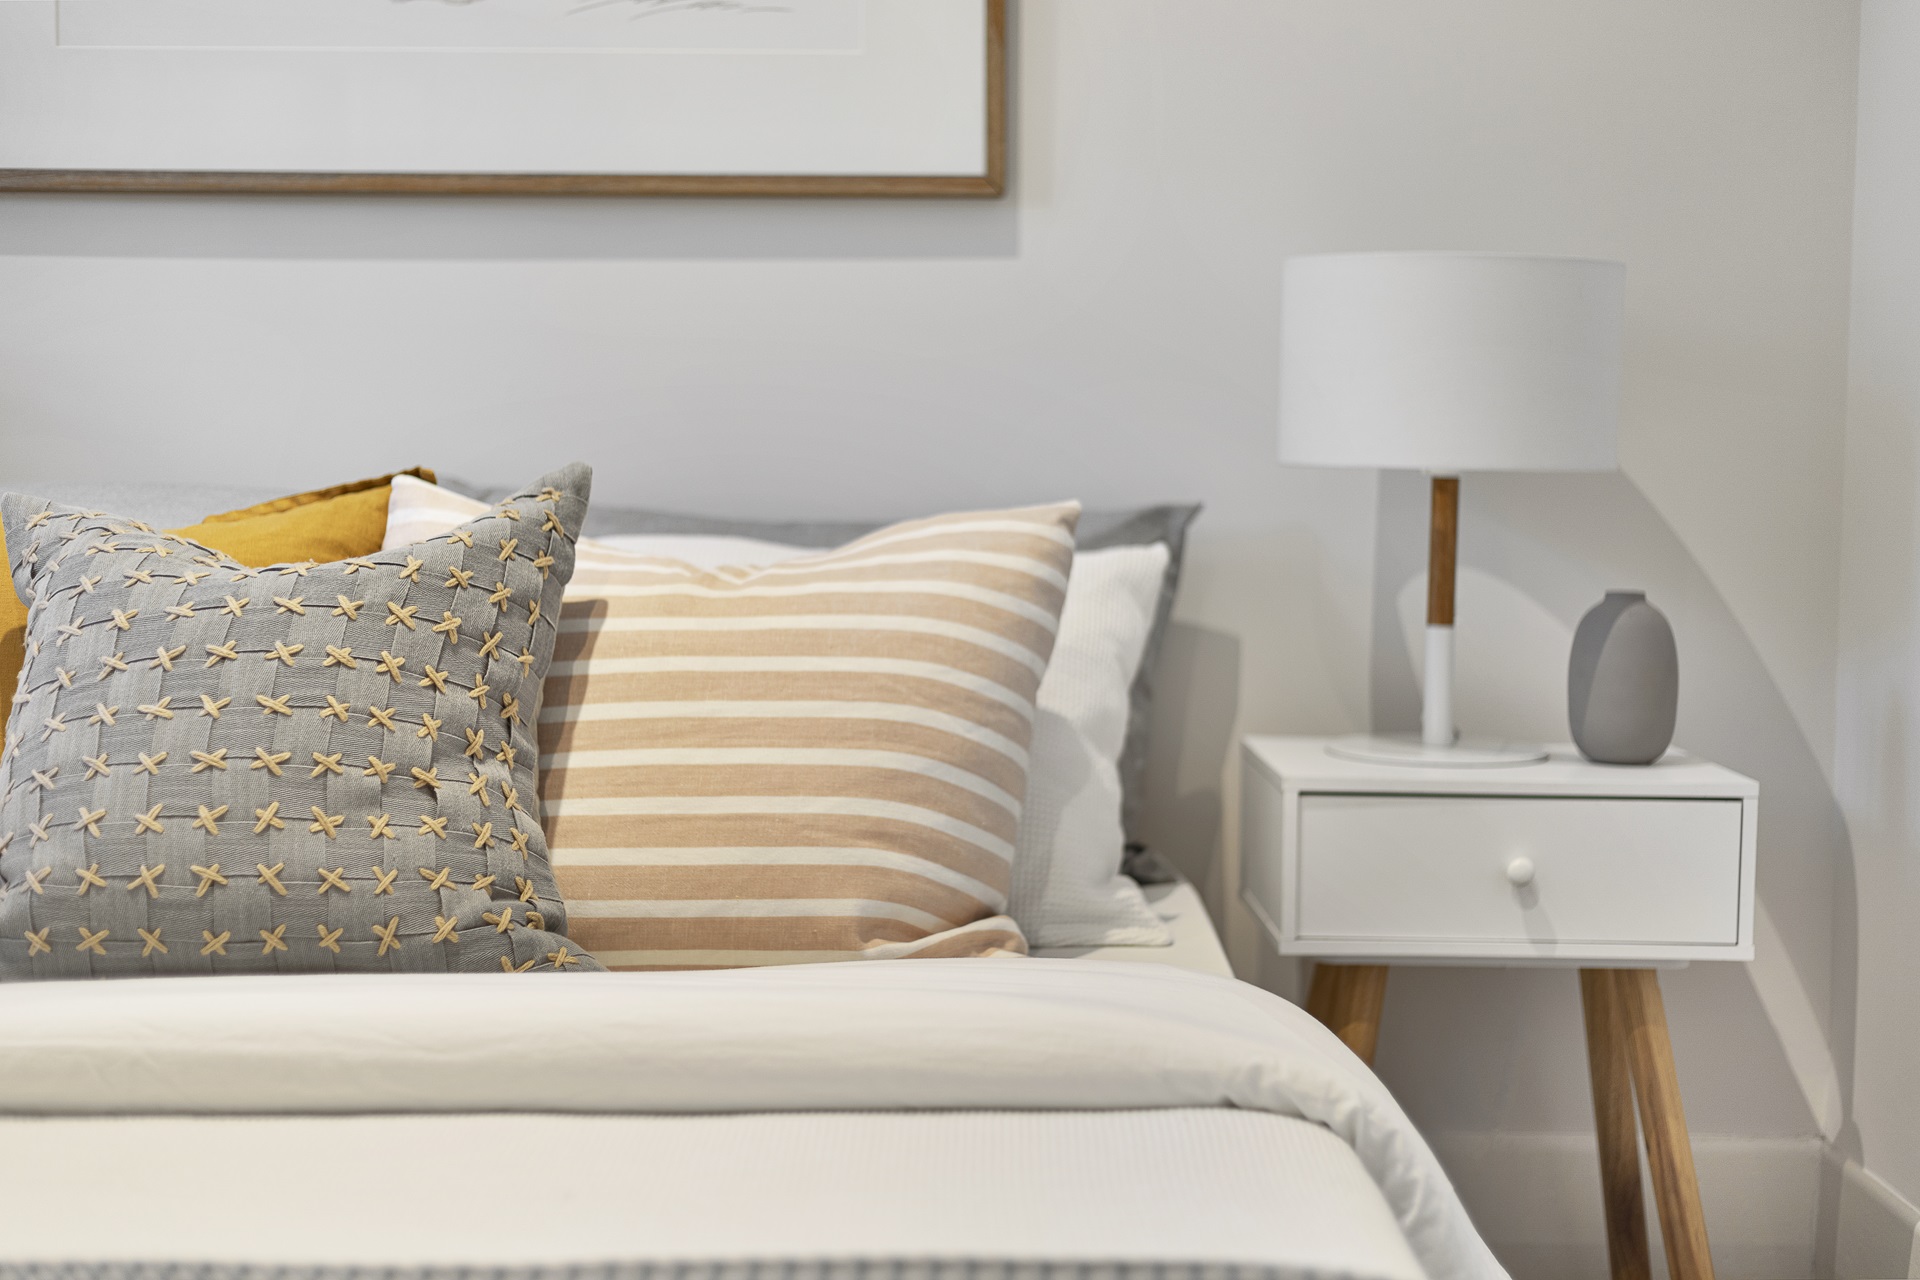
(1409, 750)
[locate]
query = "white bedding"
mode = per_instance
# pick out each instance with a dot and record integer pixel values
(1023, 1035)
(1208, 1187)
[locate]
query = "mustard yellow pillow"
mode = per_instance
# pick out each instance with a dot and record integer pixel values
(321, 524)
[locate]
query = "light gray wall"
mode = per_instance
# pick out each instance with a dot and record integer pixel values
(1109, 332)
(1879, 661)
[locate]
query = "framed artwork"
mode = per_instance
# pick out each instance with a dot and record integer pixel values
(609, 97)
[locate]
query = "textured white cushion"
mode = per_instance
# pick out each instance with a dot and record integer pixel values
(1067, 886)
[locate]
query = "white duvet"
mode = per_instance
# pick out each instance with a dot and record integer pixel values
(946, 1035)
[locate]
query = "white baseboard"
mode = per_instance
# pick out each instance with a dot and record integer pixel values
(1536, 1199)
(1868, 1231)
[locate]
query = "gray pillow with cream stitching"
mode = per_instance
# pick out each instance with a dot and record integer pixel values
(302, 768)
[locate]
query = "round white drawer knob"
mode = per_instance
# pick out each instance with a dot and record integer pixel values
(1520, 872)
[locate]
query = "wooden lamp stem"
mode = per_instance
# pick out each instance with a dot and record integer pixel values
(1436, 709)
(1442, 549)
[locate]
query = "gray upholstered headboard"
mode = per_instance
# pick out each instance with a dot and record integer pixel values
(165, 506)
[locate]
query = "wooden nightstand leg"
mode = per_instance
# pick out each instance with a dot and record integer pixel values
(1676, 1190)
(1348, 999)
(1614, 1123)
(1320, 993)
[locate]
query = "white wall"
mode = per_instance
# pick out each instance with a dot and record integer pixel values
(1109, 331)
(1879, 660)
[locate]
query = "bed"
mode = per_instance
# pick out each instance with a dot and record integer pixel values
(1133, 1112)
(1109, 1110)
(1016, 1115)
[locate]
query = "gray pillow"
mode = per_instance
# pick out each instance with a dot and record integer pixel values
(164, 506)
(1138, 527)
(302, 768)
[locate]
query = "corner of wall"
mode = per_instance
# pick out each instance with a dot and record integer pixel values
(1867, 1229)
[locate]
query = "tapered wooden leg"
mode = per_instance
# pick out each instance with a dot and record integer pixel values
(1676, 1191)
(1320, 993)
(1613, 1121)
(1356, 1019)
(1348, 999)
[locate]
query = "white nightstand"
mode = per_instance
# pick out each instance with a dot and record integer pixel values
(1611, 870)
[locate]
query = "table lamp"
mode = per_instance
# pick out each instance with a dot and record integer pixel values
(1448, 363)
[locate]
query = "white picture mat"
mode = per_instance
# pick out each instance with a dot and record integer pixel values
(911, 100)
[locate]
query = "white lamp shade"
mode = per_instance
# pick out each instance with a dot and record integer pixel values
(1450, 362)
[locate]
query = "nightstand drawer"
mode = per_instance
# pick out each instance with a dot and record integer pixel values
(1441, 867)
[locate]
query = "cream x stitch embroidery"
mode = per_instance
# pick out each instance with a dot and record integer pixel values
(137, 843)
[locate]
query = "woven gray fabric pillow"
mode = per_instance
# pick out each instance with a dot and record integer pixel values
(1135, 527)
(302, 768)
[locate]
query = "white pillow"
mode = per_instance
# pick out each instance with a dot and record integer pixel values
(1067, 886)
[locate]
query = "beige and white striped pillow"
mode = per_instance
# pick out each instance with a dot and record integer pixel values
(820, 759)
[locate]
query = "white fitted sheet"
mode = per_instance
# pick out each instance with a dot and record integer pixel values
(1196, 945)
(1187, 1186)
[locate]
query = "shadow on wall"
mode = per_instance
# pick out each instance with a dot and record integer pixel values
(1196, 706)
(469, 228)
(1536, 552)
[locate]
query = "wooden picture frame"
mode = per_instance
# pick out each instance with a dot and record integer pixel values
(991, 182)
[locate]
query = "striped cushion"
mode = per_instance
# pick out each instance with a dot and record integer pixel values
(821, 759)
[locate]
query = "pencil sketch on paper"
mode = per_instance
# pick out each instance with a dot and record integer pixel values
(743, 26)
(648, 8)
(654, 8)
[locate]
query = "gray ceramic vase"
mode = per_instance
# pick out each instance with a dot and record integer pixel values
(1623, 683)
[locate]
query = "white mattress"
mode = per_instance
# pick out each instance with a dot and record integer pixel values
(1196, 944)
(1188, 1186)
